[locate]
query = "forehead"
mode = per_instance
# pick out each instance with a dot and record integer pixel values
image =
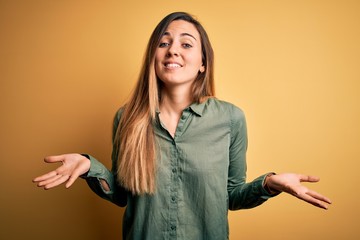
(182, 28)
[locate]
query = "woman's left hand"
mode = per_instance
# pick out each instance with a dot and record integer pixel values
(291, 183)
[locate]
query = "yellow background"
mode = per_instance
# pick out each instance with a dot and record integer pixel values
(292, 66)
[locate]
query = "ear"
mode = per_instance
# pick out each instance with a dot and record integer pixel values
(202, 69)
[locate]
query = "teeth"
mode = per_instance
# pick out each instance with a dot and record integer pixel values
(172, 65)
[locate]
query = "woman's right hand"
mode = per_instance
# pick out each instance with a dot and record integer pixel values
(73, 165)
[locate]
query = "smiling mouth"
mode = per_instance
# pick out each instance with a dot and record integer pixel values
(172, 65)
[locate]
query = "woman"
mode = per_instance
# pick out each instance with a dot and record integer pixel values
(179, 154)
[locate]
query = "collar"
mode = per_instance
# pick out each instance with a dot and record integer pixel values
(198, 108)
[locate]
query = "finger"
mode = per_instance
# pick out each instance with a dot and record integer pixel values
(60, 170)
(313, 201)
(57, 182)
(307, 178)
(76, 173)
(45, 176)
(319, 196)
(50, 180)
(71, 180)
(53, 159)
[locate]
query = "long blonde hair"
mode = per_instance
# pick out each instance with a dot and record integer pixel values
(135, 144)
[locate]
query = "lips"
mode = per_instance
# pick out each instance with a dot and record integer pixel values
(172, 65)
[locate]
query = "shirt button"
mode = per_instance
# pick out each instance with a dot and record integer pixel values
(173, 199)
(183, 117)
(174, 170)
(173, 227)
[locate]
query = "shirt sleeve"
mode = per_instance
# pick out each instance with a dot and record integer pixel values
(117, 194)
(242, 195)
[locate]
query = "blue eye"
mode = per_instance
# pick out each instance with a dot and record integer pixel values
(186, 45)
(164, 44)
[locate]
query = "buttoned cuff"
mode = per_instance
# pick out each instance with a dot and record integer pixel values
(259, 183)
(98, 171)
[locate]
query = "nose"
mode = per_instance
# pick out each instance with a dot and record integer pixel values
(173, 50)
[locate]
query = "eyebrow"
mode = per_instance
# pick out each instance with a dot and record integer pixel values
(182, 35)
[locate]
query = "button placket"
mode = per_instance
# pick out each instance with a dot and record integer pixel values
(181, 123)
(173, 203)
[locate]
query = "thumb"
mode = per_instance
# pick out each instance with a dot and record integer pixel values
(306, 178)
(53, 159)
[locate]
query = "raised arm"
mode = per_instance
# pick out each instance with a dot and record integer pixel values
(101, 180)
(242, 195)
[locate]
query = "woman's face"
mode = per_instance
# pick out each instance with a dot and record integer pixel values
(178, 58)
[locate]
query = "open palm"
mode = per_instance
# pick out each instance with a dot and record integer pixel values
(73, 165)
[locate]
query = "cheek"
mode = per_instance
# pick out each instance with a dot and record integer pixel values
(197, 59)
(157, 58)
(157, 65)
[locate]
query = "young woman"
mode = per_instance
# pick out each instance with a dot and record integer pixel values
(179, 153)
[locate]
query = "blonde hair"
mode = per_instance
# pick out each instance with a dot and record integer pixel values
(135, 144)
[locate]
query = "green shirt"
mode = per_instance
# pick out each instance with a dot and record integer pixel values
(201, 173)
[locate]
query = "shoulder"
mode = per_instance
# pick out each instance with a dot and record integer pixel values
(116, 119)
(227, 108)
(229, 113)
(118, 114)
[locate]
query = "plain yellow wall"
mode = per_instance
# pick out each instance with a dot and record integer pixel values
(292, 66)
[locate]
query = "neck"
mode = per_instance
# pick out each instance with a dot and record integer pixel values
(174, 101)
